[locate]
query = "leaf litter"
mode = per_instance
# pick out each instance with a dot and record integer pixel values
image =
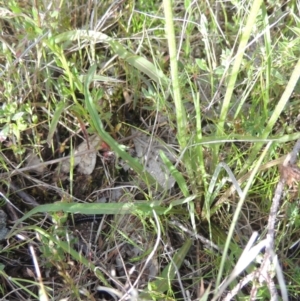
(87, 161)
(148, 149)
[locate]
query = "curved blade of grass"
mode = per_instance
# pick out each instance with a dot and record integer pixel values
(175, 173)
(107, 208)
(18, 284)
(242, 138)
(101, 78)
(97, 123)
(134, 60)
(183, 201)
(168, 274)
(182, 185)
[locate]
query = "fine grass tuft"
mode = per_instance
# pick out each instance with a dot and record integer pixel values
(213, 85)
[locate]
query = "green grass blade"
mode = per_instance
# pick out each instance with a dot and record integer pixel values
(59, 109)
(176, 174)
(180, 110)
(276, 113)
(97, 123)
(18, 283)
(255, 7)
(107, 208)
(268, 45)
(136, 61)
(238, 211)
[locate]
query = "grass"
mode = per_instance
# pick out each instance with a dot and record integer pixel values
(216, 83)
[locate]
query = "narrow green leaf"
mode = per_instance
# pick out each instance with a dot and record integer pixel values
(59, 109)
(176, 174)
(275, 115)
(136, 61)
(246, 32)
(180, 110)
(107, 208)
(97, 123)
